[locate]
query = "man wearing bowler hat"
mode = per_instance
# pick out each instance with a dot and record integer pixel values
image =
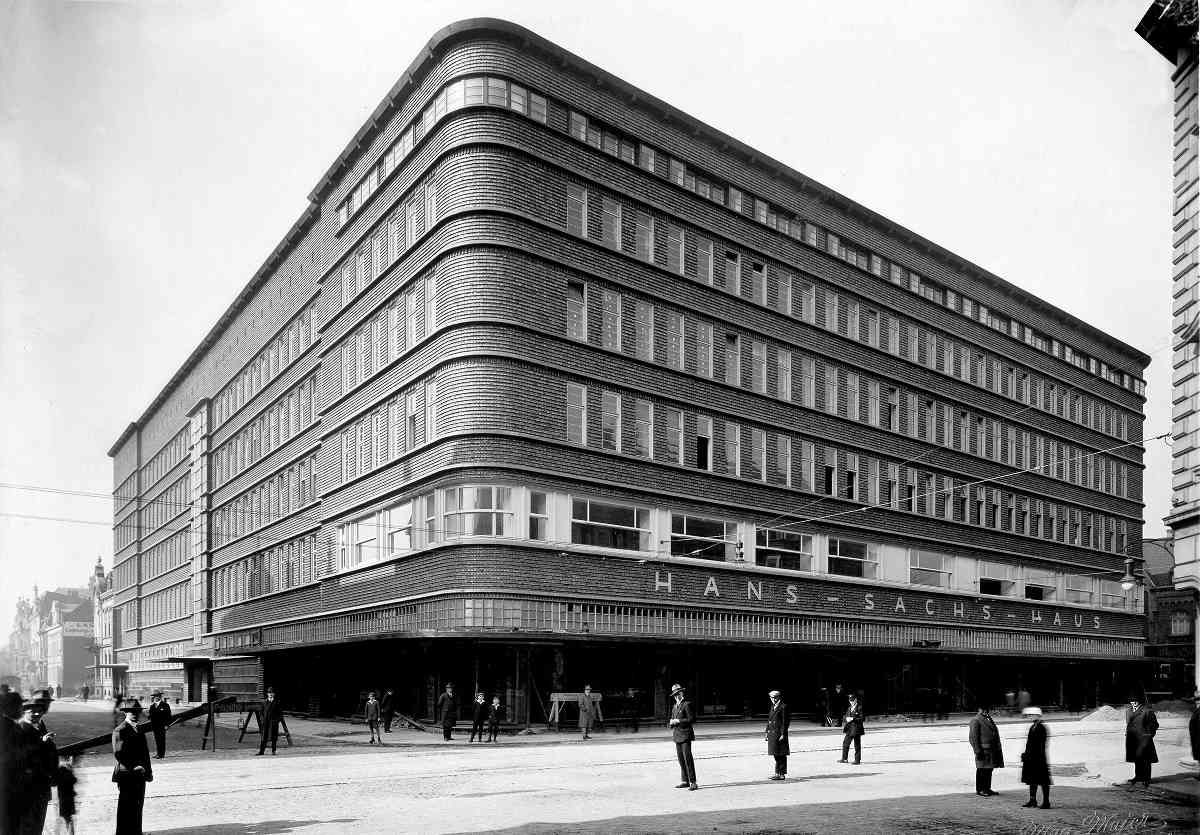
(272, 714)
(160, 717)
(682, 734)
(132, 771)
(35, 767)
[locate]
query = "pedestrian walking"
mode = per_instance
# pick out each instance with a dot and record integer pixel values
(1140, 727)
(1194, 730)
(985, 742)
(682, 734)
(447, 707)
(479, 714)
(387, 709)
(778, 720)
(372, 713)
(132, 771)
(85, 691)
(271, 716)
(587, 712)
(160, 718)
(1035, 764)
(852, 729)
(35, 767)
(495, 717)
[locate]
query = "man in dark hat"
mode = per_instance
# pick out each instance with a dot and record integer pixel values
(34, 767)
(132, 771)
(447, 706)
(682, 735)
(778, 721)
(387, 709)
(1140, 727)
(272, 714)
(985, 742)
(160, 718)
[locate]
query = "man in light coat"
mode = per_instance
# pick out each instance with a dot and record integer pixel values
(778, 721)
(985, 742)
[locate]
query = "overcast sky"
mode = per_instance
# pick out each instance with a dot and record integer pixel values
(153, 154)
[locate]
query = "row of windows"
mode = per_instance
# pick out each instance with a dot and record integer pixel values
(382, 435)
(291, 414)
(124, 575)
(270, 362)
(125, 532)
(269, 501)
(411, 317)
(604, 315)
(275, 569)
(682, 252)
(465, 92)
(166, 506)
(513, 512)
(168, 604)
(631, 425)
(390, 238)
(126, 491)
(588, 130)
(166, 555)
(166, 458)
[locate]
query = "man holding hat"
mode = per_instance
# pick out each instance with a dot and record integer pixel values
(682, 734)
(160, 717)
(1035, 765)
(777, 734)
(132, 771)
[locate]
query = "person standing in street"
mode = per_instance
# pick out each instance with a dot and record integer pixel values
(852, 729)
(837, 703)
(985, 742)
(35, 766)
(160, 717)
(447, 707)
(1035, 763)
(84, 691)
(495, 717)
(387, 709)
(372, 714)
(272, 713)
(682, 734)
(778, 721)
(1194, 730)
(587, 712)
(132, 771)
(479, 713)
(1140, 728)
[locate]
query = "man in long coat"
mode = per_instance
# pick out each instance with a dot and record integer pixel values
(272, 715)
(587, 712)
(447, 706)
(160, 717)
(1194, 730)
(1140, 728)
(1035, 763)
(387, 709)
(985, 742)
(852, 729)
(132, 771)
(34, 766)
(778, 721)
(682, 735)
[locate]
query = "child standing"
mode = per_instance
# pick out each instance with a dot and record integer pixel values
(372, 711)
(479, 717)
(495, 715)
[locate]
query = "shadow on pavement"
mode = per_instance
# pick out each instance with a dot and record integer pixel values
(260, 828)
(791, 779)
(1076, 811)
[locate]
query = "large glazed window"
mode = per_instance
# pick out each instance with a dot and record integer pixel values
(703, 538)
(479, 511)
(783, 549)
(605, 525)
(853, 559)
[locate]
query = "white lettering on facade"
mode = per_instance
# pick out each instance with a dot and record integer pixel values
(899, 605)
(1079, 620)
(1057, 619)
(870, 601)
(753, 592)
(1035, 616)
(987, 612)
(660, 585)
(791, 595)
(929, 607)
(711, 587)
(1096, 621)
(960, 609)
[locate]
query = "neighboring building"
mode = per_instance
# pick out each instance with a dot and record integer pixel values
(553, 383)
(20, 646)
(1170, 27)
(107, 675)
(69, 635)
(1170, 620)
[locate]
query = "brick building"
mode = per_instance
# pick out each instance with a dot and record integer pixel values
(552, 383)
(1170, 615)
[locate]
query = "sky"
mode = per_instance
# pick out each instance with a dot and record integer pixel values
(153, 154)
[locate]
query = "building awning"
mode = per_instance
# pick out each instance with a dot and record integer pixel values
(106, 667)
(195, 659)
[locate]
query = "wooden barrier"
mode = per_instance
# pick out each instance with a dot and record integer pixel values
(557, 700)
(145, 727)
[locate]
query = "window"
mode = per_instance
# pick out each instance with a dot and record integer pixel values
(783, 460)
(851, 476)
(605, 525)
(610, 223)
(430, 204)
(610, 421)
(831, 390)
(675, 249)
(577, 310)
(732, 272)
(674, 436)
(577, 210)
(704, 430)
(1181, 623)
(643, 428)
(610, 320)
(807, 297)
(1079, 588)
(733, 448)
(704, 261)
(674, 339)
(358, 542)
(646, 157)
(783, 549)
(784, 374)
(829, 472)
(430, 303)
(831, 310)
(644, 330)
(853, 559)
(539, 516)
(576, 414)
(644, 240)
(704, 349)
(808, 382)
(733, 359)
(758, 283)
(478, 511)
(430, 410)
(784, 299)
(398, 529)
(997, 578)
(758, 366)
(1112, 595)
(926, 568)
(706, 539)
(758, 454)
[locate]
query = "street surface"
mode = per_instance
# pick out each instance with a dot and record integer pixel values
(914, 778)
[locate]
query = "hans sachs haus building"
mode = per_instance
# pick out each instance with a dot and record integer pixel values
(552, 383)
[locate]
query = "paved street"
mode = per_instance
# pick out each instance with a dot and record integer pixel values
(913, 778)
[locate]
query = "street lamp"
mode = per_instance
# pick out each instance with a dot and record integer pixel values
(1128, 581)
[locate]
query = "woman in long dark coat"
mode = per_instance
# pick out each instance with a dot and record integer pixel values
(1035, 767)
(778, 721)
